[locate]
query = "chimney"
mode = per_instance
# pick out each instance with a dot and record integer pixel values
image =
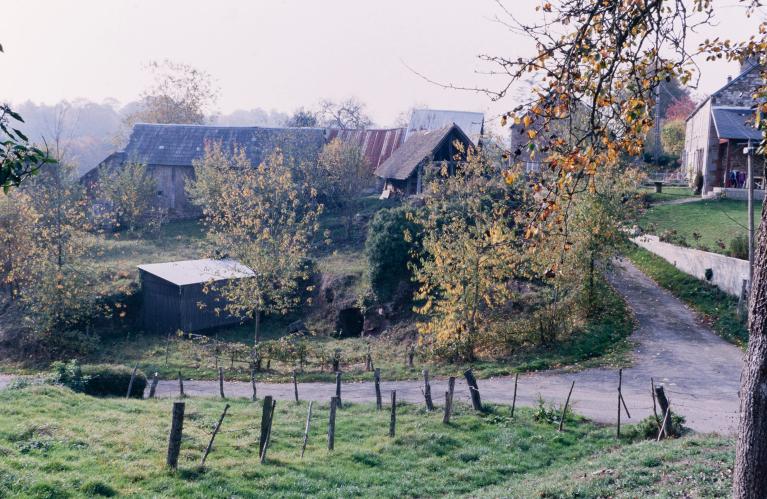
(729, 79)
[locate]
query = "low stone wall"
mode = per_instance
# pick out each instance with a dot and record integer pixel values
(739, 194)
(728, 272)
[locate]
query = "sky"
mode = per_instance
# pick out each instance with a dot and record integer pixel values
(281, 54)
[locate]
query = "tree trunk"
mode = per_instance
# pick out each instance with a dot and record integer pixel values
(750, 475)
(256, 325)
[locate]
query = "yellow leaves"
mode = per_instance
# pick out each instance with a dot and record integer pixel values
(510, 177)
(531, 134)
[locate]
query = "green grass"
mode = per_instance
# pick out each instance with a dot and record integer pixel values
(717, 221)
(719, 308)
(57, 444)
(669, 193)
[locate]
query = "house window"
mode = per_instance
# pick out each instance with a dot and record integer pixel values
(159, 193)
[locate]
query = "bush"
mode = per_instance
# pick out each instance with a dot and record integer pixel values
(739, 247)
(69, 374)
(671, 236)
(389, 253)
(106, 380)
(648, 427)
(698, 184)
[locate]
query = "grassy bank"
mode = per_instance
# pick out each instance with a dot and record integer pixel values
(670, 193)
(55, 443)
(718, 308)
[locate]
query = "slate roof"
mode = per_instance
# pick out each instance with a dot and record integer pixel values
(376, 144)
(471, 123)
(418, 147)
(745, 71)
(735, 123)
(184, 273)
(179, 145)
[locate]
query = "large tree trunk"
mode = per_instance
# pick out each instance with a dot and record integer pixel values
(750, 476)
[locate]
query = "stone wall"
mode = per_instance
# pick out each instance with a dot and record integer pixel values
(739, 194)
(728, 272)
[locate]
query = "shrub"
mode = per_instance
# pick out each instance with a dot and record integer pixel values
(648, 427)
(698, 184)
(105, 380)
(671, 236)
(739, 247)
(69, 374)
(389, 252)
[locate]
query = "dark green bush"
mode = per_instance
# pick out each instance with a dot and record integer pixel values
(389, 253)
(106, 380)
(69, 374)
(739, 247)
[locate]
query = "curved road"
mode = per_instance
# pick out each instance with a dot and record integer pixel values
(700, 371)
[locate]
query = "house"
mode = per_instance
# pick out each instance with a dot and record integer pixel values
(175, 298)
(403, 172)
(170, 150)
(377, 144)
(422, 120)
(719, 128)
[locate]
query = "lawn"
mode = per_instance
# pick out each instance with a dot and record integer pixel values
(59, 444)
(719, 308)
(716, 221)
(670, 193)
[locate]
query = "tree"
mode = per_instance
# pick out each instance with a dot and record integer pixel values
(342, 173)
(672, 137)
(302, 118)
(680, 109)
(128, 194)
(470, 255)
(180, 93)
(348, 114)
(264, 219)
(612, 56)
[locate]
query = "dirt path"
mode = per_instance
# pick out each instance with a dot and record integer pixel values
(701, 371)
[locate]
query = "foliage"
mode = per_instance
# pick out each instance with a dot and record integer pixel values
(107, 380)
(262, 217)
(739, 247)
(649, 427)
(394, 240)
(18, 158)
(69, 374)
(680, 109)
(302, 118)
(697, 183)
(127, 197)
(672, 137)
(348, 114)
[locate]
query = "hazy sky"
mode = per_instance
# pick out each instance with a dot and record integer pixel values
(276, 54)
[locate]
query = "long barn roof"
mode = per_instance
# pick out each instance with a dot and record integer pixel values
(376, 144)
(422, 120)
(186, 272)
(179, 145)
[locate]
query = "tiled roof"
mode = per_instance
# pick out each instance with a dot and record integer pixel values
(734, 123)
(376, 144)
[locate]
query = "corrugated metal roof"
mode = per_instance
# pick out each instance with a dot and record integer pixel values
(735, 123)
(188, 272)
(376, 144)
(422, 120)
(417, 148)
(179, 145)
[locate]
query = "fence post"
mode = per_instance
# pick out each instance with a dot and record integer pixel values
(368, 360)
(334, 402)
(306, 429)
(449, 399)
(253, 384)
(476, 402)
(268, 439)
(265, 417)
(221, 382)
(377, 377)
(410, 355)
(427, 391)
(338, 389)
(130, 383)
(213, 436)
(393, 419)
(514, 399)
(153, 386)
(620, 384)
(564, 410)
(295, 385)
(665, 409)
(180, 386)
(174, 438)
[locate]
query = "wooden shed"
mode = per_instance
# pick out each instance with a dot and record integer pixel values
(174, 296)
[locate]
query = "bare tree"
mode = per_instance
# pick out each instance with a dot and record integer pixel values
(348, 114)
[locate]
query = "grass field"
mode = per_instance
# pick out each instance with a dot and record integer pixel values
(719, 308)
(669, 194)
(57, 444)
(717, 221)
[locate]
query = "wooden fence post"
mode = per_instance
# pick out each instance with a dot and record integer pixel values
(393, 419)
(306, 429)
(449, 399)
(266, 413)
(181, 386)
(654, 403)
(253, 384)
(665, 409)
(174, 438)
(368, 360)
(471, 381)
(153, 386)
(514, 399)
(410, 355)
(338, 389)
(130, 383)
(377, 377)
(332, 422)
(564, 410)
(268, 438)
(213, 436)
(295, 385)
(620, 384)
(427, 391)
(221, 382)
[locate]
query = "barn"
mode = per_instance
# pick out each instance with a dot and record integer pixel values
(175, 298)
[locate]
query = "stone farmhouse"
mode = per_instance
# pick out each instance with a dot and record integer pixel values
(719, 129)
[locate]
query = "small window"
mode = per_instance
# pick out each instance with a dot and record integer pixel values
(159, 193)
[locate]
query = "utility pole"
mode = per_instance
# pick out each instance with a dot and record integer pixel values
(657, 126)
(750, 152)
